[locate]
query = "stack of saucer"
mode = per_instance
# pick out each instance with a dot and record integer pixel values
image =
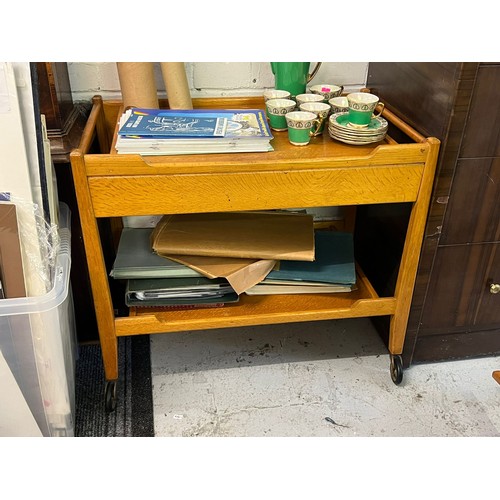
(341, 129)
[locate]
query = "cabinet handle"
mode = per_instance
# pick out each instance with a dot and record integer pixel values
(495, 288)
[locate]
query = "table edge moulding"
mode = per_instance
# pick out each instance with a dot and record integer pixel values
(325, 173)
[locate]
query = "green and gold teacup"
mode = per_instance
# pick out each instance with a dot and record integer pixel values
(276, 111)
(275, 94)
(320, 109)
(302, 125)
(361, 108)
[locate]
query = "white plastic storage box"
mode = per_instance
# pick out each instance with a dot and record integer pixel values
(38, 342)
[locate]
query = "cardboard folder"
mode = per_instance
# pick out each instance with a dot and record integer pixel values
(11, 264)
(240, 273)
(247, 235)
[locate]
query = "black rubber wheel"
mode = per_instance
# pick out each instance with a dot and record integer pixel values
(396, 369)
(110, 396)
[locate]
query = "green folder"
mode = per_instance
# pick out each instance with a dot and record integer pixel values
(334, 261)
(135, 259)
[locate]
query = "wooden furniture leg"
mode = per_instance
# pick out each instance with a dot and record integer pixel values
(409, 263)
(97, 268)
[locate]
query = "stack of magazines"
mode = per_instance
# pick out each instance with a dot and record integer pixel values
(173, 132)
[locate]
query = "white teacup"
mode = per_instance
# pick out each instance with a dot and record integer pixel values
(339, 104)
(276, 94)
(327, 90)
(303, 98)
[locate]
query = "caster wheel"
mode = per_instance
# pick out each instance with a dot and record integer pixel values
(110, 396)
(396, 369)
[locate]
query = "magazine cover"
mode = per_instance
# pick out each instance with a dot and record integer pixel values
(172, 123)
(215, 123)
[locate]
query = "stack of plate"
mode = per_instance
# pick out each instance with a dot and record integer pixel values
(341, 129)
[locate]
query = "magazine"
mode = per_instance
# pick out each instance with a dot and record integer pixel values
(245, 130)
(141, 122)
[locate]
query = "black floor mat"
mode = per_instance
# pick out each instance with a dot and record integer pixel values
(133, 416)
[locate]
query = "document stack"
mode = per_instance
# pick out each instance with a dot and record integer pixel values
(209, 260)
(177, 132)
(153, 281)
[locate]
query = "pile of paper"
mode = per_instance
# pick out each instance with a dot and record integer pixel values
(174, 132)
(211, 259)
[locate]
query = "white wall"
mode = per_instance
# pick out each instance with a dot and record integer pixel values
(209, 79)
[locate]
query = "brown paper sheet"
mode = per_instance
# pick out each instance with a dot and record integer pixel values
(242, 235)
(11, 263)
(241, 274)
(176, 84)
(137, 83)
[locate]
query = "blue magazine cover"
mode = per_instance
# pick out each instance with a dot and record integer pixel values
(201, 123)
(173, 123)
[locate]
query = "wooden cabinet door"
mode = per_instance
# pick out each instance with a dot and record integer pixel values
(460, 290)
(473, 211)
(488, 306)
(481, 138)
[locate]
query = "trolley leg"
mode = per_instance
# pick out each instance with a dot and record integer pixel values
(109, 349)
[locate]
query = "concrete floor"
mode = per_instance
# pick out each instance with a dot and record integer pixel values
(285, 380)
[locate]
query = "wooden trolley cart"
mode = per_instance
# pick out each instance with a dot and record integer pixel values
(325, 173)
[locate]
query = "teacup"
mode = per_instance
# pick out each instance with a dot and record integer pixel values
(302, 125)
(276, 110)
(326, 90)
(303, 98)
(339, 104)
(321, 109)
(361, 108)
(276, 94)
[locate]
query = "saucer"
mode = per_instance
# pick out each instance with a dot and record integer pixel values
(341, 121)
(356, 142)
(354, 135)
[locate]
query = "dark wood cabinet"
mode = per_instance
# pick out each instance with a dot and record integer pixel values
(454, 313)
(65, 118)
